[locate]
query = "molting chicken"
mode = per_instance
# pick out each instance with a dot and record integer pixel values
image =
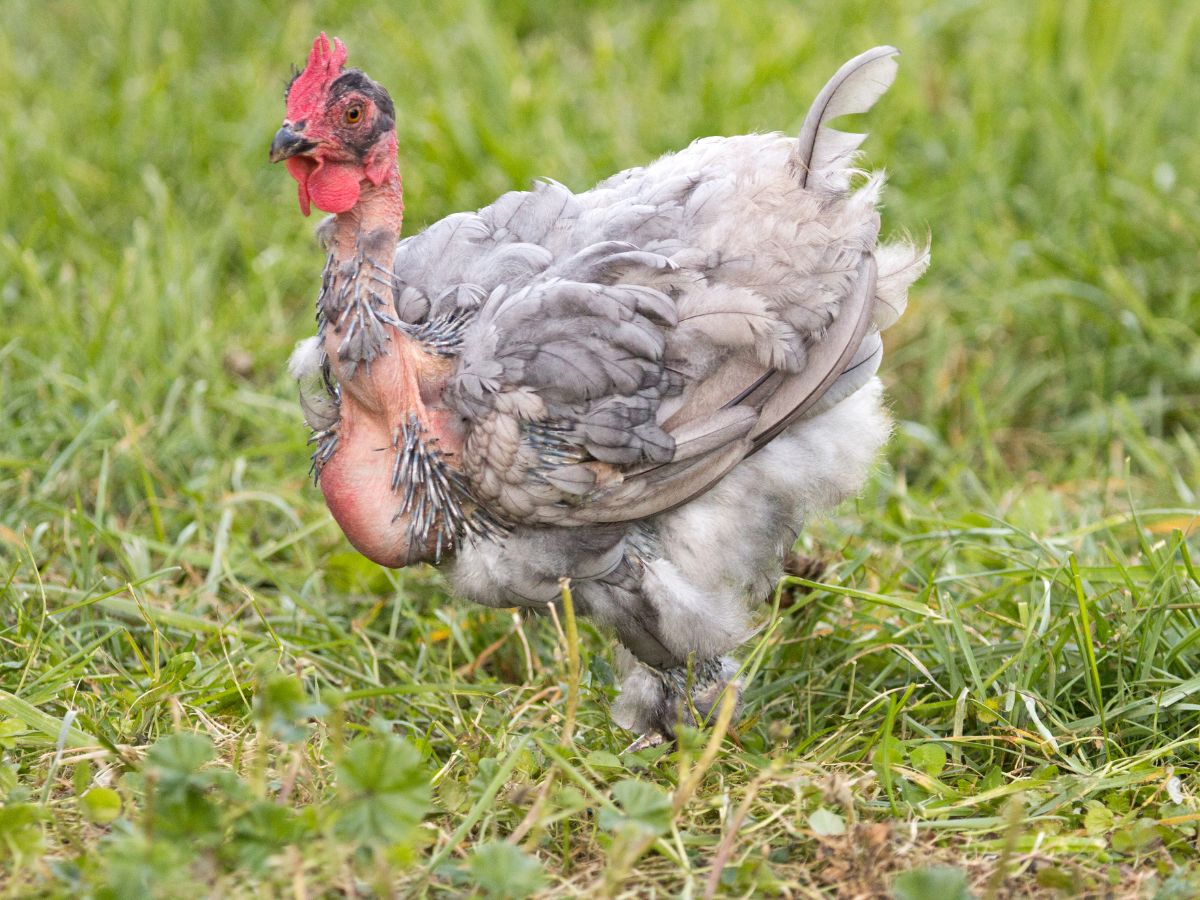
(646, 388)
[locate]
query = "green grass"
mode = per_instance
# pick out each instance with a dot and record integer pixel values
(198, 676)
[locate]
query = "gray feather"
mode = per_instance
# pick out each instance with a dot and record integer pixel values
(661, 378)
(828, 359)
(854, 88)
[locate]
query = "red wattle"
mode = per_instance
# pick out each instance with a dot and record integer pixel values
(334, 187)
(300, 168)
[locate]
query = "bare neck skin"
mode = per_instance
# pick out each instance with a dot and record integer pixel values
(373, 223)
(395, 379)
(395, 390)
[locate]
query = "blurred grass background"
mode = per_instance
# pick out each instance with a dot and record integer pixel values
(1040, 498)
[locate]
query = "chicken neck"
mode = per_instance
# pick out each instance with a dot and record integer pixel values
(373, 223)
(394, 435)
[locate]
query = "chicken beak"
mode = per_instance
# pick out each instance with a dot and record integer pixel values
(288, 144)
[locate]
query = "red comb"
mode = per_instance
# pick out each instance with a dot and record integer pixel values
(324, 65)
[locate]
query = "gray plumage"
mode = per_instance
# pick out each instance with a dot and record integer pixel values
(661, 379)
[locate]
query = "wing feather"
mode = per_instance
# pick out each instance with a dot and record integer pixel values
(630, 345)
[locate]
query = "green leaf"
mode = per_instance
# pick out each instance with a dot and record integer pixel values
(601, 671)
(992, 780)
(988, 710)
(178, 667)
(1118, 802)
(179, 755)
(135, 866)
(384, 791)
(826, 822)
(9, 730)
(888, 753)
(20, 831)
(936, 883)
(570, 798)
(753, 877)
(187, 803)
(1099, 819)
(101, 805)
(282, 707)
(452, 795)
(1135, 838)
(929, 758)
(8, 779)
(485, 773)
(1058, 879)
(48, 726)
(260, 832)
(602, 759)
(81, 776)
(642, 806)
(505, 871)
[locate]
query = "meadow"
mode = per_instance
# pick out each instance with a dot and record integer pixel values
(993, 690)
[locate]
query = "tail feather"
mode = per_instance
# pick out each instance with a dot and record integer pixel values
(822, 155)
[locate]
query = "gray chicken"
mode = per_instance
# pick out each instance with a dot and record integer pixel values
(646, 388)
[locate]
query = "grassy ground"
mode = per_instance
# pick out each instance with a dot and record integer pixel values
(202, 687)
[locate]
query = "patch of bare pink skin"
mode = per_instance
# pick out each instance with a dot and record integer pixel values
(377, 400)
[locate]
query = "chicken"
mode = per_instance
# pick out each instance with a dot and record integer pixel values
(646, 388)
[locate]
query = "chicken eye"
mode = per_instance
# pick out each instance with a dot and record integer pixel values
(353, 115)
